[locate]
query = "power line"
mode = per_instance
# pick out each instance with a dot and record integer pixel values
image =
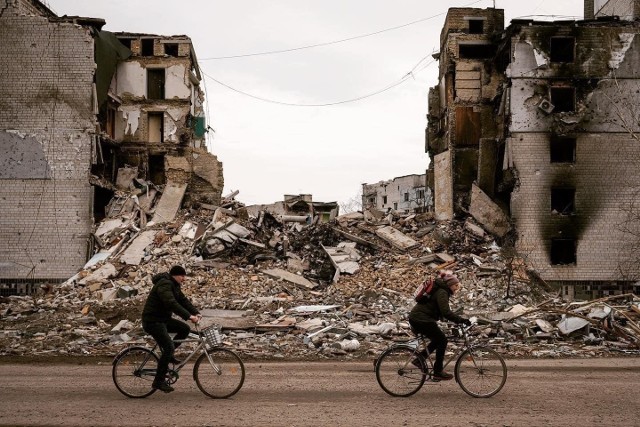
(327, 104)
(335, 41)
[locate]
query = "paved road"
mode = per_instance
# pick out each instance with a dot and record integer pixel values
(581, 393)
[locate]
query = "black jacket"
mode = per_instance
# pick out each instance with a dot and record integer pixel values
(166, 298)
(436, 307)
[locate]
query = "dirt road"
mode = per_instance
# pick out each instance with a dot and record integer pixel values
(581, 393)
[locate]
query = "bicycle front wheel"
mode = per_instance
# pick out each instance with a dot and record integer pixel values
(221, 377)
(400, 371)
(134, 370)
(481, 372)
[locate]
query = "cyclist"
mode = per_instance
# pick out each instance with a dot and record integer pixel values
(166, 298)
(424, 316)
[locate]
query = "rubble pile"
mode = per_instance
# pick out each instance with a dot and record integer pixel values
(295, 287)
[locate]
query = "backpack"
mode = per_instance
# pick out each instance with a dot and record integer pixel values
(424, 290)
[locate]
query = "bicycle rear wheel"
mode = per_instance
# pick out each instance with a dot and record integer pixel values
(222, 377)
(396, 372)
(134, 370)
(481, 372)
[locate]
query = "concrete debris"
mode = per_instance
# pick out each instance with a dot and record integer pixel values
(272, 285)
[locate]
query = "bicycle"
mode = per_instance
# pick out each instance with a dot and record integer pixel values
(401, 370)
(218, 372)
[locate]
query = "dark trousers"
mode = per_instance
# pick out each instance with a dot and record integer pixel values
(160, 332)
(438, 340)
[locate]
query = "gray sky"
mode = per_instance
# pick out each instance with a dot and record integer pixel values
(269, 149)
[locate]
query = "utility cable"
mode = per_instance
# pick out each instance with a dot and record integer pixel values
(327, 104)
(272, 52)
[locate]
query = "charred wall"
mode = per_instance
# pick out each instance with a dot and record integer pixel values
(575, 154)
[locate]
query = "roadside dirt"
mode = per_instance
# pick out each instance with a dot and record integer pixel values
(571, 392)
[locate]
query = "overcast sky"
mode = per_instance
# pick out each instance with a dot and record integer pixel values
(269, 149)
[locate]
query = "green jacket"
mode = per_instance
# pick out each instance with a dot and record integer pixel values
(166, 298)
(436, 307)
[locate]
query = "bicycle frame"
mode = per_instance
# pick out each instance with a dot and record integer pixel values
(195, 337)
(401, 370)
(421, 342)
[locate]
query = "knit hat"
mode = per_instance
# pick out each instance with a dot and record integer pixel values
(177, 270)
(450, 279)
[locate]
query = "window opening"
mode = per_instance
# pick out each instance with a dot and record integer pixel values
(476, 26)
(563, 201)
(155, 83)
(384, 200)
(156, 127)
(171, 49)
(562, 49)
(563, 99)
(563, 251)
(420, 194)
(562, 149)
(395, 206)
(476, 51)
(406, 197)
(156, 169)
(146, 47)
(126, 42)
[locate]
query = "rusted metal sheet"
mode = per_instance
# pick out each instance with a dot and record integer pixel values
(468, 126)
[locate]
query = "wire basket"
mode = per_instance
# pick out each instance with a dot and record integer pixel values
(212, 335)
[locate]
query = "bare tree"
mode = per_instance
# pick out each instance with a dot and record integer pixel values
(353, 204)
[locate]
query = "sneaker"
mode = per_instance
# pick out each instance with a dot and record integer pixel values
(442, 376)
(163, 387)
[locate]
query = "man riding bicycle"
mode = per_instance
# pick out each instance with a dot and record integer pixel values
(424, 316)
(166, 298)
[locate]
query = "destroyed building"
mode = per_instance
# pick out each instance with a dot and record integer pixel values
(404, 194)
(534, 127)
(76, 106)
(299, 207)
(155, 117)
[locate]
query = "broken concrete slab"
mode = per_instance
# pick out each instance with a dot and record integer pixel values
(169, 203)
(136, 251)
(571, 324)
(474, 229)
(125, 177)
(344, 257)
(110, 224)
(486, 212)
(97, 258)
(227, 319)
(278, 273)
(396, 238)
(105, 272)
(313, 308)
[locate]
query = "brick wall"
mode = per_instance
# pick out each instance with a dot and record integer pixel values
(457, 21)
(47, 73)
(605, 181)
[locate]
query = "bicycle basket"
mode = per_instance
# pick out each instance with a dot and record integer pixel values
(212, 335)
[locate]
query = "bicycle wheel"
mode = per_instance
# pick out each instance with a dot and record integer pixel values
(222, 377)
(396, 372)
(134, 370)
(481, 372)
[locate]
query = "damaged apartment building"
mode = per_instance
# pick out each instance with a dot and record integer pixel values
(533, 130)
(404, 194)
(82, 110)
